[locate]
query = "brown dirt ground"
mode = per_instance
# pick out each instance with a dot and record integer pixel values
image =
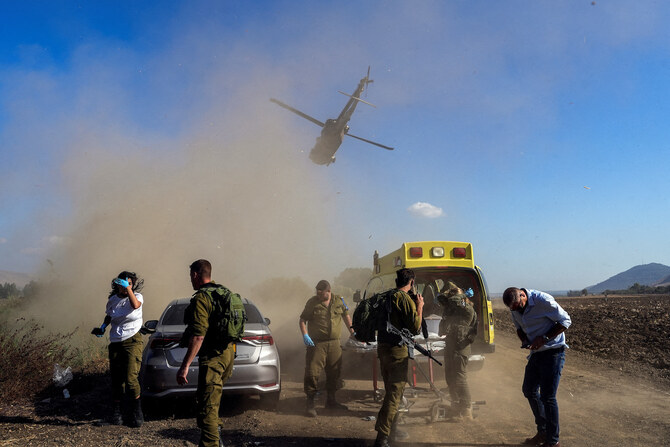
(615, 390)
(629, 333)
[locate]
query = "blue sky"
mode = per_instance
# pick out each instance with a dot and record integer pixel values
(140, 135)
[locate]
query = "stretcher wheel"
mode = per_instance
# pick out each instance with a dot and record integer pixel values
(435, 412)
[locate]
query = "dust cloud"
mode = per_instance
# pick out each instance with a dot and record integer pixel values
(283, 300)
(235, 190)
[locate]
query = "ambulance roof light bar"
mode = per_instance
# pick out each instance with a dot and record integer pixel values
(459, 252)
(415, 252)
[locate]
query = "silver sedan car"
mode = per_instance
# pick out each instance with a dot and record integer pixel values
(256, 369)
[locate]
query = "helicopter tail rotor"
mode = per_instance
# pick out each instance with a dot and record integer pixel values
(368, 81)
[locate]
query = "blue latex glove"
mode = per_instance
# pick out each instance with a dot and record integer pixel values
(121, 282)
(308, 340)
(99, 331)
(469, 293)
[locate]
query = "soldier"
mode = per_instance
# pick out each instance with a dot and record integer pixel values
(215, 357)
(403, 313)
(540, 325)
(321, 325)
(459, 325)
(124, 313)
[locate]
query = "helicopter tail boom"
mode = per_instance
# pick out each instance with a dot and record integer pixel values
(369, 141)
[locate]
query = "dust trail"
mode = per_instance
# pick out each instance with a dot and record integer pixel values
(233, 190)
(282, 301)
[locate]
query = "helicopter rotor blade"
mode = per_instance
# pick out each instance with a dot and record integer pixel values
(369, 141)
(357, 99)
(297, 112)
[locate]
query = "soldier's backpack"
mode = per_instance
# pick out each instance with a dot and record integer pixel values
(228, 316)
(368, 315)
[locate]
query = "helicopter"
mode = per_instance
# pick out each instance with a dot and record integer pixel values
(334, 130)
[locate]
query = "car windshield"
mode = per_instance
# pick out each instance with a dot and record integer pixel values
(175, 314)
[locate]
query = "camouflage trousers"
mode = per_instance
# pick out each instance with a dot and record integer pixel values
(455, 365)
(212, 374)
(323, 355)
(125, 359)
(393, 362)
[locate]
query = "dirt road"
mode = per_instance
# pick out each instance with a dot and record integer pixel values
(599, 406)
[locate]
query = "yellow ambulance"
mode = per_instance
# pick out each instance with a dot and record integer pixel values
(435, 263)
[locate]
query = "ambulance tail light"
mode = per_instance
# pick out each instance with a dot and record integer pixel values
(415, 252)
(459, 252)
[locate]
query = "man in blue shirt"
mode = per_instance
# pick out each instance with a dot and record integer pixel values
(540, 324)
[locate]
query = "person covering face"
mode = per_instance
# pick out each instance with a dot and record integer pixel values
(540, 324)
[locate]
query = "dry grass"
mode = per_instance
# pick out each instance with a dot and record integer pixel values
(27, 357)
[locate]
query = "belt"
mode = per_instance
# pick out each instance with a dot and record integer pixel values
(551, 350)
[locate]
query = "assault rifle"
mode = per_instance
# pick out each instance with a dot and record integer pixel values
(408, 340)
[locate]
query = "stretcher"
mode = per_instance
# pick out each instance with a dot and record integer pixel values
(439, 409)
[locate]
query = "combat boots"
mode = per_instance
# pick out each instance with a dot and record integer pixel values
(382, 440)
(117, 416)
(466, 414)
(459, 414)
(309, 407)
(396, 434)
(333, 404)
(138, 417)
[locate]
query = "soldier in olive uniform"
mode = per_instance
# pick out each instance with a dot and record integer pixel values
(403, 313)
(215, 361)
(321, 325)
(459, 325)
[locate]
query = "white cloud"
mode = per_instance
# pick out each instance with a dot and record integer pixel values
(424, 209)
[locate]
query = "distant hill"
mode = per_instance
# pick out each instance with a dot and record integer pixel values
(664, 282)
(20, 279)
(647, 275)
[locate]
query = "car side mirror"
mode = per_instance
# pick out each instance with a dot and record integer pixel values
(357, 296)
(267, 321)
(150, 326)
